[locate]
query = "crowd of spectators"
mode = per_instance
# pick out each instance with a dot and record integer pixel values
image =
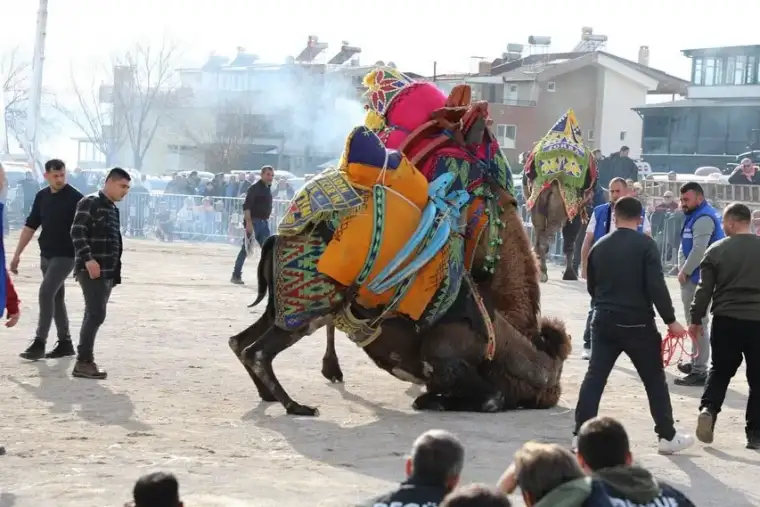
(600, 472)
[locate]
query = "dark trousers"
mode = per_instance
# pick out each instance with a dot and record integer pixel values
(731, 340)
(613, 334)
(52, 296)
(260, 234)
(96, 293)
(587, 330)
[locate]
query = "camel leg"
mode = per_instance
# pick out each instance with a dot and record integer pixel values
(259, 356)
(542, 251)
(243, 340)
(330, 365)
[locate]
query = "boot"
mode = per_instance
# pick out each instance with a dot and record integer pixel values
(35, 351)
(706, 425)
(63, 348)
(88, 369)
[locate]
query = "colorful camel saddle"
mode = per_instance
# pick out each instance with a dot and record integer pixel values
(561, 156)
(395, 239)
(440, 135)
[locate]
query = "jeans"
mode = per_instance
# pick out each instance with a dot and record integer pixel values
(260, 234)
(700, 360)
(587, 330)
(732, 339)
(615, 333)
(96, 293)
(52, 294)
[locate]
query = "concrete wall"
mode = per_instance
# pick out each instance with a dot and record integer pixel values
(619, 95)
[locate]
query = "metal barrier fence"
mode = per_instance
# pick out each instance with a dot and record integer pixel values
(719, 193)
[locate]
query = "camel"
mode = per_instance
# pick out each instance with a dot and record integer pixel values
(559, 178)
(484, 347)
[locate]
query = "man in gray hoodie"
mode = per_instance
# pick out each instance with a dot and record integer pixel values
(605, 453)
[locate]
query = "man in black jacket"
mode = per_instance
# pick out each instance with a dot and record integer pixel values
(432, 471)
(256, 209)
(623, 320)
(605, 453)
(618, 165)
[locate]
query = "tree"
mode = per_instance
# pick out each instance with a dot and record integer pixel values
(223, 134)
(144, 92)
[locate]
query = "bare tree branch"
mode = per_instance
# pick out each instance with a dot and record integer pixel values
(145, 94)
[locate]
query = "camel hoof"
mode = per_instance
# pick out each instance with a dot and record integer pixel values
(493, 404)
(428, 402)
(569, 275)
(296, 409)
(331, 371)
(544, 277)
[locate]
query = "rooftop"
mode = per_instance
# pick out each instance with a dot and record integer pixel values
(701, 103)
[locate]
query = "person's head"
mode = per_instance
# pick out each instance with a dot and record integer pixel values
(437, 458)
(597, 154)
(241, 176)
(250, 177)
(603, 443)
(737, 219)
(692, 195)
(267, 174)
(55, 174)
(29, 175)
(541, 468)
(116, 185)
(747, 165)
(624, 151)
(667, 197)
(618, 188)
(476, 495)
(628, 212)
(672, 176)
(158, 489)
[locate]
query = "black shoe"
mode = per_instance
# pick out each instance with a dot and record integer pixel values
(34, 352)
(692, 380)
(88, 369)
(237, 280)
(753, 442)
(706, 425)
(684, 368)
(63, 348)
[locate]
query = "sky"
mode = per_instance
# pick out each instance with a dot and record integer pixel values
(83, 35)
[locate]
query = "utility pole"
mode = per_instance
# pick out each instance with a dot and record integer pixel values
(35, 91)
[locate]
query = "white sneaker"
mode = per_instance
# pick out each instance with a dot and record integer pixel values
(677, 444)
(574, 445)
(586, 354)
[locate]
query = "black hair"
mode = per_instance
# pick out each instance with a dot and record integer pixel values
(157, 489)
(476, 495)
(628, 208)
(54, 164)
(625, 148)
(739, 212)
(692, 185)
(437, 457)
(603, 443)
(117, 173)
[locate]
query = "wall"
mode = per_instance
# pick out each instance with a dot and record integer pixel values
(524, 118)
(620, 96)
(724, 92)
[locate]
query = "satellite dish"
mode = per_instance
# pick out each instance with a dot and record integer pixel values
(391, 65)
(380, 63)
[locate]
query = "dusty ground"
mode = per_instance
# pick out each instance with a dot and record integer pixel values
(178, 400)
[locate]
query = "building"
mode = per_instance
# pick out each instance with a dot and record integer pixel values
(528, 89)
(718, 119)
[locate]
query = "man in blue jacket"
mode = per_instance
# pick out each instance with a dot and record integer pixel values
(602, 222)
(702, 227)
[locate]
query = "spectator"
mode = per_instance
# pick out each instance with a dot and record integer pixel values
(145, 183)
(284, 190)
(672, 176)
(432, 471)
(549, 476)
(756, 221)
(158, 489)
(476, 495)
(193, 183)
(618, 165)
(29, 188)
(745, 174)
(605, 453)
(668, 203)
(78, 180)
(250, 179)
(257, 209)
(165, 230)
(235, 185)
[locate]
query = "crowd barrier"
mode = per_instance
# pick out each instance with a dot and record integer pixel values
(719, 193)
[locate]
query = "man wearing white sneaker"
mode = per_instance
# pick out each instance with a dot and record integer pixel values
(623, 321)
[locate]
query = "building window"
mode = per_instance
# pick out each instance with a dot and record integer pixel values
(551, 86)
(622, 135)
(749, 76)
(507, 135)
(730, 70)
(741, 62)
(589, 135)
(709, 71)
(719, 63)
(696, 75)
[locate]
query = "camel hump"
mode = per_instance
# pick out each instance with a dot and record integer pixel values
(460, 96)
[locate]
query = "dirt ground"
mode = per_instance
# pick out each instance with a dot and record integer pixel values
(176, 399)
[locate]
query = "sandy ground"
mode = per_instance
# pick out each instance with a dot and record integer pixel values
(177, 399)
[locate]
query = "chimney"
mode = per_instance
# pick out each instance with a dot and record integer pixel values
(484, 68)
(644, 55)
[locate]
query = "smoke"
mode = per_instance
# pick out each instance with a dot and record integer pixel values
(314, 110)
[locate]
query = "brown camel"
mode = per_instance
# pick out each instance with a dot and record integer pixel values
(450, 358)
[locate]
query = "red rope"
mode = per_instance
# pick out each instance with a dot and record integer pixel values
(672, 343)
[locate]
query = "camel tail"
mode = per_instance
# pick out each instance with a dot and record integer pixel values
(557, 341)
(265, 269)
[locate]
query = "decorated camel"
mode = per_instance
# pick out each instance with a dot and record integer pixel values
(419, 256)
(559, 178)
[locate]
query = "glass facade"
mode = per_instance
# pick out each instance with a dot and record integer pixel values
(726, 70)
